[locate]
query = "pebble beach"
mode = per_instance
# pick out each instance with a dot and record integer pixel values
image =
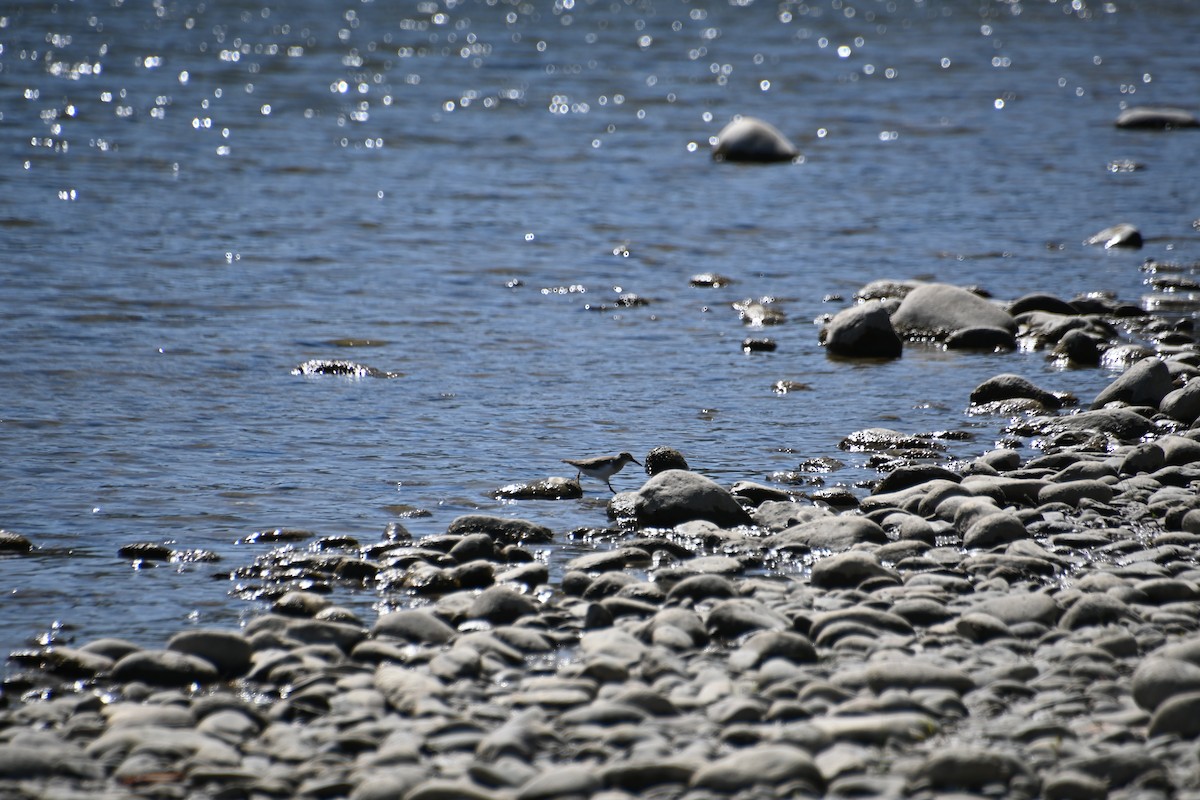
(1005, 626)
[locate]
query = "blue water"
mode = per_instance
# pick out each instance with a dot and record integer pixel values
(197, 197)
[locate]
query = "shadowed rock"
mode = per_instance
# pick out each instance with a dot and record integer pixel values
(863, 331)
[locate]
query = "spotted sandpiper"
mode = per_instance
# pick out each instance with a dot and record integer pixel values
(602, 467)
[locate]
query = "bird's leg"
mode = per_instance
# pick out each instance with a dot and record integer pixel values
(614, 491)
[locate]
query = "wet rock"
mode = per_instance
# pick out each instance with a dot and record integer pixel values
(939, 310)
(759, 314)
(1145, 383)
(749, 139)
(661, 459)
(1079, 347)
(988, 339)
(11, 542)
(1040, 302)
(676, 496)
(347, 369)
(862, 331)
(709, 280)
(1120, 235)
(1121, 424)
(1009, 386)
(146, 551)
(555, 487)
(502, 529)
(1156, 118)
(994, 529)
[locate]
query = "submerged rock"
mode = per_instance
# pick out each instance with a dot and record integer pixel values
(749, 139)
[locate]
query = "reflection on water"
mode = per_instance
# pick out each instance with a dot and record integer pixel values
(200, 197)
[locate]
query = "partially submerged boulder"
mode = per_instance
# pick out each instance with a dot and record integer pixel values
(862, 331)
(940, 311)
(749, 139)
(1157, 118)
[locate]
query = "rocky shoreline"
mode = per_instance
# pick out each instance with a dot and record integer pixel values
(1008, 627)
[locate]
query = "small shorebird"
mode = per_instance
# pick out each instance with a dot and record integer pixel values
(603, 467)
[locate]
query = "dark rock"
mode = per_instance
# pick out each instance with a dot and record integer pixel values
(661, 459)
(1179, 715)
(14, 543)
(555, 487)
(1159, 678)
(993, 340)
(862, 331)
(748, 139)
(907, 477)
(1040, 302)
(1156, 118)
(1096, 609)
(502, 529)
(1008, 386)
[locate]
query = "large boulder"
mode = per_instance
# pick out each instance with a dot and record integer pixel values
(862, 331)
(941, 311)
(750, 139)
(676, 496)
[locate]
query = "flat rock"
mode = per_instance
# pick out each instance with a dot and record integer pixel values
(913, 673)
(502, 529)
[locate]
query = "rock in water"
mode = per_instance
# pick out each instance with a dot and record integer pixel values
(1156, 118)
(1122, 234)
(939, 311)
(748, 139)
(862, 331)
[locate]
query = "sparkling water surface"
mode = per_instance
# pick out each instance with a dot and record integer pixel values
(197, 197)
